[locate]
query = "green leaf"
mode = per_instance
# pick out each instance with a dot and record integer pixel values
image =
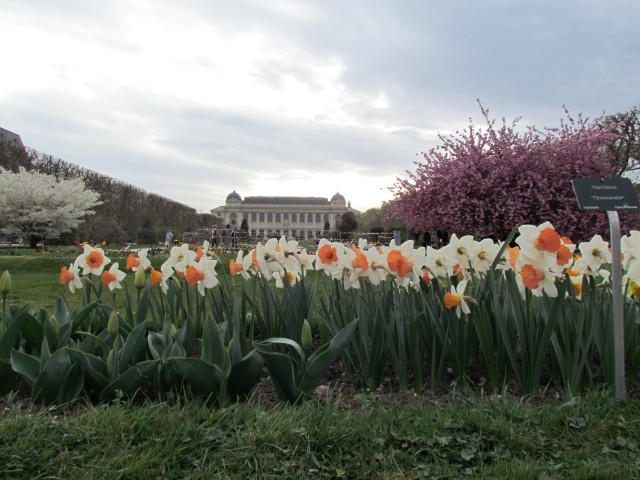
(94, 367)
(174, 350)
(283, 374)
(206, 380)
(132, 380)
(62, 310)
(71, 385)
(8, 377)
(143, 307)
(132, 345)
(324, 357)
(245, 375)
(156, 344)
(47, 385)
(31, 330)
(26, 365)
(78, 316)
(213, 351)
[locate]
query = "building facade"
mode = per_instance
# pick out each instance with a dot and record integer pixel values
(294, 217)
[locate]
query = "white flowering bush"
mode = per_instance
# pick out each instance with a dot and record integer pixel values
(40, 206)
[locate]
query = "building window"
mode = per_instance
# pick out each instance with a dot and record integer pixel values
(293, 232)
(253, 232)
(326, 217)
(254, 217)
(269, 233)
(261, 217)
(310, 217)
(294, 217)
(269, 217)
(277, 232)
(261, 233)
(302, 218)
(285, 216)
(285, 232)
(278, 220)
(233, 219)
(245, 216)
(318, 217)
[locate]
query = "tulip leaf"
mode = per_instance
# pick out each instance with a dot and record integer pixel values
(95, 368)
(46, 386)
(132, 345)
(51, 334)
(7, 377)
(206, 380)
(26, 365)
(324, 357)
(77, 316)
(31, 330)
(245, 375)
(132, 380)
(62, 310)
(71, 384)
(213, 351)
(156, 344)
(282, 371)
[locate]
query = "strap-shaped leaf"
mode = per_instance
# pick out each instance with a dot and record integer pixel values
(324, 357)
(62, 310)
(31, 330)
(156, 345)
(245, 375)
(283, 375)
(206, 380)
(95, 368)
(213, 351)
(47, 385)
(174, 350)
(143, 307)
(26, 365)
(132, 345)
(132, 380)
(71, 384)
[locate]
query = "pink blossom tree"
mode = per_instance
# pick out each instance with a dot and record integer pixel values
(484, 182)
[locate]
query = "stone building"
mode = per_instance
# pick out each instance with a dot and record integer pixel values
(294, 217)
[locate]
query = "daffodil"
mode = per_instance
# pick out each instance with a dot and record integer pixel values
(112, 277)
(456, 299)
(138, 262)
(202, 274)
(438, 263)
(595, 252)
(92, 260)
(538, 280)
(71, 276)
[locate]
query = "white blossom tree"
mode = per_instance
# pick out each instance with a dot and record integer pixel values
(40, 206)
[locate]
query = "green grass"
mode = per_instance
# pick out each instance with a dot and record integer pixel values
(593, 437)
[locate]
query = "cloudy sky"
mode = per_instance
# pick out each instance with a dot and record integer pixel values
(191, 99)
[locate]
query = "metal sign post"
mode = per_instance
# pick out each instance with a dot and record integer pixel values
(611, 195)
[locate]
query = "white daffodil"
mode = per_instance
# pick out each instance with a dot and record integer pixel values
(112, 277)
(455, 299)
(595, 252)
(92, 260)
(71, 276)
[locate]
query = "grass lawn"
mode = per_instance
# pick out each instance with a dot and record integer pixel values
(465, 435)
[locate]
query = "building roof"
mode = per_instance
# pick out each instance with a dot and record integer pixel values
(10, 136)
(337, 197)
(285, 201)
(234, 196)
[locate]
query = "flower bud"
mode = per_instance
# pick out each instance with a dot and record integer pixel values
(140, 279)
(172, 331)
(5, 283)
(110, 362)
(54, 323)
(306, 334)
(112, 326)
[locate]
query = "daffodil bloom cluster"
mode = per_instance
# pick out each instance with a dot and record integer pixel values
(92, 261)
(196, 267)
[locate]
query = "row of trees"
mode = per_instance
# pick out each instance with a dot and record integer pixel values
(484, 182)
(125, 213)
